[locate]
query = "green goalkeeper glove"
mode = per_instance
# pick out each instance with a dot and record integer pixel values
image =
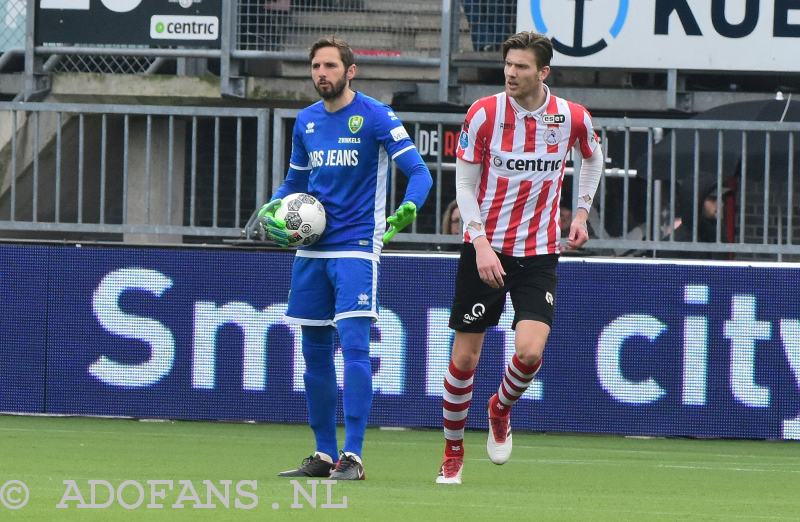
(273, 227)
(403, 216)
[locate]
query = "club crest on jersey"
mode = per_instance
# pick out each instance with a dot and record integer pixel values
(355, 122)
(554, 119)
(551, 136)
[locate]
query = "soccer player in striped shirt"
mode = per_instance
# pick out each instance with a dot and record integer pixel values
(509, 170)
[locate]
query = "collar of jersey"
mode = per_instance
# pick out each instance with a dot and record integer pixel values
(521, 112)
(341, 109)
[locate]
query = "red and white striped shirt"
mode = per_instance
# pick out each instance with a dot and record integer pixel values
(523, 155)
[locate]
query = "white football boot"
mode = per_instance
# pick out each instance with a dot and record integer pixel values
(499, 443)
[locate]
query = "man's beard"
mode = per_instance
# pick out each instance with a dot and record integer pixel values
(333, 93)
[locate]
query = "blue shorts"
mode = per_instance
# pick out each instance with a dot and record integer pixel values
(326, 290)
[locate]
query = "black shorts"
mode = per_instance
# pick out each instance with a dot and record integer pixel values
(531, 281)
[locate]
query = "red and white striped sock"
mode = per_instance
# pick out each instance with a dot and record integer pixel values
(516, 380)
(456, 399)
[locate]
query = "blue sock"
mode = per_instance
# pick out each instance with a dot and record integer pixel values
(321, 390)
(354, 335)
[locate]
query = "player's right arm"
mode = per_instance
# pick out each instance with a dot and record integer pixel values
(296, 181)
(472, 146)
(299, 165)
(468, 176)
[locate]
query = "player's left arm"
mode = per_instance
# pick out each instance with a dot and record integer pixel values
(591, 171)
(419, 185)
(407, 158)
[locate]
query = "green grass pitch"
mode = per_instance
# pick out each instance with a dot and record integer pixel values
(549, 477)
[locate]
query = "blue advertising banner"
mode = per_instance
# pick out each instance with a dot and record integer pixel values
(23, 322)
(638, 347)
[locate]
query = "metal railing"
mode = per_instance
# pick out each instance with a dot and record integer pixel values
(658, 195)
(173, 173)
(113, 169)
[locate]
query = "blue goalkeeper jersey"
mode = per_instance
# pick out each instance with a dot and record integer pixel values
(344, 160)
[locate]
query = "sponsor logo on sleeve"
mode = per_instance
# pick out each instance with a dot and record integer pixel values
(399, 133)
(463, 140)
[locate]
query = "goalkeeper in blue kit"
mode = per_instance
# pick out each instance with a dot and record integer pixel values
(342, 148)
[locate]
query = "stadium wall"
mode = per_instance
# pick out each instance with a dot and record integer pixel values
(638, 348)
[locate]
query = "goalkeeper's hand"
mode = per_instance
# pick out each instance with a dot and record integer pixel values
(273, 227)
(403, 216)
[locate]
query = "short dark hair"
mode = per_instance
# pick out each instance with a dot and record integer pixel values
(345, 52)
(541, 46)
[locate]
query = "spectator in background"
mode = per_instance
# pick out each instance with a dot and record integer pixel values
(564, 220)
(490, 22)
(707, 226)
(451, 219)
(708, 213)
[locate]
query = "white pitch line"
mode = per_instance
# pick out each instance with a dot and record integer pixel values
(594, 509)
(162, 434)
(659, 452)
(628, 462)
(719, 468)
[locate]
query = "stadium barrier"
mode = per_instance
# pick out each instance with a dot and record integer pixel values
(670, 349)
(157, 174)
(658, 174)
(139, 172)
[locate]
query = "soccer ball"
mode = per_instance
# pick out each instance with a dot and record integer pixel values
(304, 216)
